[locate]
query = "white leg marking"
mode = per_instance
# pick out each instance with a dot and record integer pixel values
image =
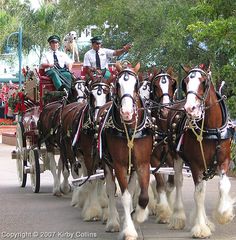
(178, 218)
(224, 212)
(113, 222)
(201, 229)
(53, 169)
(128, 231)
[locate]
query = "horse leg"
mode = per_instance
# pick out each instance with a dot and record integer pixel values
(202, 226)
(128, 232)
(80, 194)
(92, 210)
(163, 210)
(113, 224)
(102, 199)
(65, 186)
(178, 218)
(224, 212)
(53, 169)
(133, 188)
(141, 210)
(152, 193)
(170, 186)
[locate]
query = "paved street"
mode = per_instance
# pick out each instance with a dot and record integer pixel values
(26, 215)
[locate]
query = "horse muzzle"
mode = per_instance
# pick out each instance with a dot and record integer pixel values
(126, 115)
(193, 111)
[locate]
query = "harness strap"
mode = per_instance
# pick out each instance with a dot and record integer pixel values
(163, 159)
(199, 139)
(76, 137)
(130, 142)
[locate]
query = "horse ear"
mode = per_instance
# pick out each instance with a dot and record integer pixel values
(185, 68)
(137, 67)
(170, 70)
(155, 71)
(118, 66)
(140, 76)
(208, 66)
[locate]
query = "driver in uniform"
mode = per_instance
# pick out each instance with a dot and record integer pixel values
(57, 65)
(97, 58)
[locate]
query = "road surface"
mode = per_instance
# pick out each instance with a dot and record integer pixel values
(27, 215)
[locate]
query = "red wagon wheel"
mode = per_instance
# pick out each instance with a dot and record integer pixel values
(21, 161)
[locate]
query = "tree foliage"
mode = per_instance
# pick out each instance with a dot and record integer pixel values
(163, 32)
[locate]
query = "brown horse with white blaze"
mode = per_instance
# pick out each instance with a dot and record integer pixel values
(124, 131)
(163, 87)
(204, 121)
(78, 130)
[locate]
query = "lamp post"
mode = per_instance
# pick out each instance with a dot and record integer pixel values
(19, 49)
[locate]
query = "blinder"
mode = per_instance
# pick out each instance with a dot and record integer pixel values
(163, 80)
(126, 72)
(191, 75)
(101, 88)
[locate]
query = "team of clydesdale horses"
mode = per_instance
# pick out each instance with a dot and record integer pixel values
(130, 122)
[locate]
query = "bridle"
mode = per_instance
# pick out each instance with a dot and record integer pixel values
(80, 83)
(126, 73)
(163, 77)
(190, 75)
(145, 84)
(101, 88)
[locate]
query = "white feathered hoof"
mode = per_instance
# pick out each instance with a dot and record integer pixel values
(225, 217)
(177, 222)
(163, 214)
(112, 227)
(66, 189)
(140, 214)
(104, 215)
(57, 193)
(128, 236)
(75, 198)
(201, 231)
(92, 214)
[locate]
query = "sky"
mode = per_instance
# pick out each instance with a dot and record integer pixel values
(35, 3)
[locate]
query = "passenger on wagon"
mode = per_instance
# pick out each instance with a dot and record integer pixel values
(97, 58)
(57, 65)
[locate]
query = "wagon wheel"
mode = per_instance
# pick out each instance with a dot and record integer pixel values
(34, 170)
(21, 161)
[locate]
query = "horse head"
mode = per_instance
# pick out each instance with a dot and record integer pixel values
(145, 85)
(100, 93)
(80, 91)
(196, 86)
(163, 88)
(127, 87)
